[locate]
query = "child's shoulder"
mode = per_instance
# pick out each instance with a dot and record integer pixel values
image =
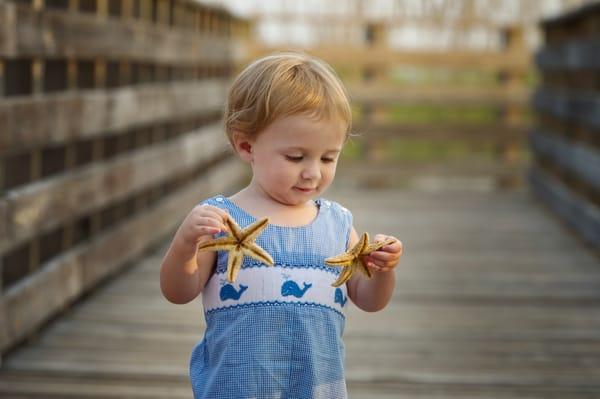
(218, 200)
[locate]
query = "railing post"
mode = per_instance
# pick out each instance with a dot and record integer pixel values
(510, 113)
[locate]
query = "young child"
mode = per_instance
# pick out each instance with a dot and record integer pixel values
(276, 331)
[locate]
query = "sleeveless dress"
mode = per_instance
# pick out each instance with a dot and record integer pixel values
(276, 332)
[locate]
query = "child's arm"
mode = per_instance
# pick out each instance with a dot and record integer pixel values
(374, 294)
(184, 271)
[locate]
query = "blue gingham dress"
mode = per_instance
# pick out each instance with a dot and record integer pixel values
(276, 332)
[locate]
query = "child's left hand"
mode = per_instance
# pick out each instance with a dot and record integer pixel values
(387, 257)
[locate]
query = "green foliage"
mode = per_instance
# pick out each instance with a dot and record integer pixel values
(443, 114)
(353, 150)
(424, 150)
(409, 75)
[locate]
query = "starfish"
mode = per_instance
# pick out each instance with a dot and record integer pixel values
(352, 260)
(239, 242)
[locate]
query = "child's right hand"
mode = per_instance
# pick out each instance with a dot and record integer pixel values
(203, 220)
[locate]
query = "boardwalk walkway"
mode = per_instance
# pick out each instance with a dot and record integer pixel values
(495, 299)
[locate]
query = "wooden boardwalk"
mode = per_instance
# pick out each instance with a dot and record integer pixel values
(495, 299)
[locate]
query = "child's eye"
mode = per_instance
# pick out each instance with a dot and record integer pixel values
(328, 160)
(293, 158)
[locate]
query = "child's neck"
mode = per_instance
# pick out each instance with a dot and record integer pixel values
(260, 205)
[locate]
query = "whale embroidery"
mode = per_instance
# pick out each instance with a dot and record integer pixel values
(291, 288)
(229, 292)
(339, 297)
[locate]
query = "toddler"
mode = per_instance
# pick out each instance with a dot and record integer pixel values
(276, 331)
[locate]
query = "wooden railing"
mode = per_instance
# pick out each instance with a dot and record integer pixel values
(378, 98)
(109, 133)
(566, 139)
(504, 126)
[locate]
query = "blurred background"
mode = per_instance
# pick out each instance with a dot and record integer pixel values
(475, 141)
(437, 87)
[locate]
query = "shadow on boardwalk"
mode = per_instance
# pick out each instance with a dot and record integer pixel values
(495, 299)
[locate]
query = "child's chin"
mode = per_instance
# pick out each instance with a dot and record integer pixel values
(300, 198)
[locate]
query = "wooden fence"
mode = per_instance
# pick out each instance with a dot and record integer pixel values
(500, 137)
(109, 133)
(566, 139)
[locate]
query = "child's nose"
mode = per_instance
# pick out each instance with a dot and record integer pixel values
(311, 172)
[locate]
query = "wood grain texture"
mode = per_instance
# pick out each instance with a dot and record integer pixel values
(583, 106)
(32, 301)
(580, 159)
(494, 299)
(366, 56)
(52, 33)
(573, 55)
(378, 94)
(57, 118)
(41, 206)
(578, 212)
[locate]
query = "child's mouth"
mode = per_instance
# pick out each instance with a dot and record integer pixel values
(304, 190)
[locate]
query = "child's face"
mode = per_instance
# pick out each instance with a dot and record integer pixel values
(294, 159)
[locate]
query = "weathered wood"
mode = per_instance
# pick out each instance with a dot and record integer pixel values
(41, 206)
(566, 172)
(580, 159)
(584, 106)
(60, 117)
(54, 33)
(580, 214)
(475, 133)
(96, 96)
(360, 57)
(33, 300)
(45, 385)
(445, 96)
(4, 336)
(466, 321)
(3, 219)
(571, 56)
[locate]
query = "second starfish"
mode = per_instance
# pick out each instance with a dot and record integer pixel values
(352, 260)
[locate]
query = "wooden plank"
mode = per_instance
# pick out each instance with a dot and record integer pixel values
(362, 57)
(44, 385)
(581, 215)
(44, 205)
(432, 341)
(462, 325)
(474, 133)
(578, 158)
(52, 33)
(3, 321)
(57, 118)
(581, 53)
(3, 219)
(128, 242)
(8, 41)
(2, 80)
(397, 17)
(440, 95)
(33, 300)
(583, 106)
(92, 387)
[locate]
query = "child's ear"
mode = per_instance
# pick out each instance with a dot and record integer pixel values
(243, 145)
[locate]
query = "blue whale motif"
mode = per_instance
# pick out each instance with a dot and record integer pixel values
(291, 288)
(229, 292)
(339, 297)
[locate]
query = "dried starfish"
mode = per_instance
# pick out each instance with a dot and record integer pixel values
(239, 242)
(353, 259)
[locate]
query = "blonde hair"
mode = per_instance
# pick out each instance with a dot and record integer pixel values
(282, 85)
